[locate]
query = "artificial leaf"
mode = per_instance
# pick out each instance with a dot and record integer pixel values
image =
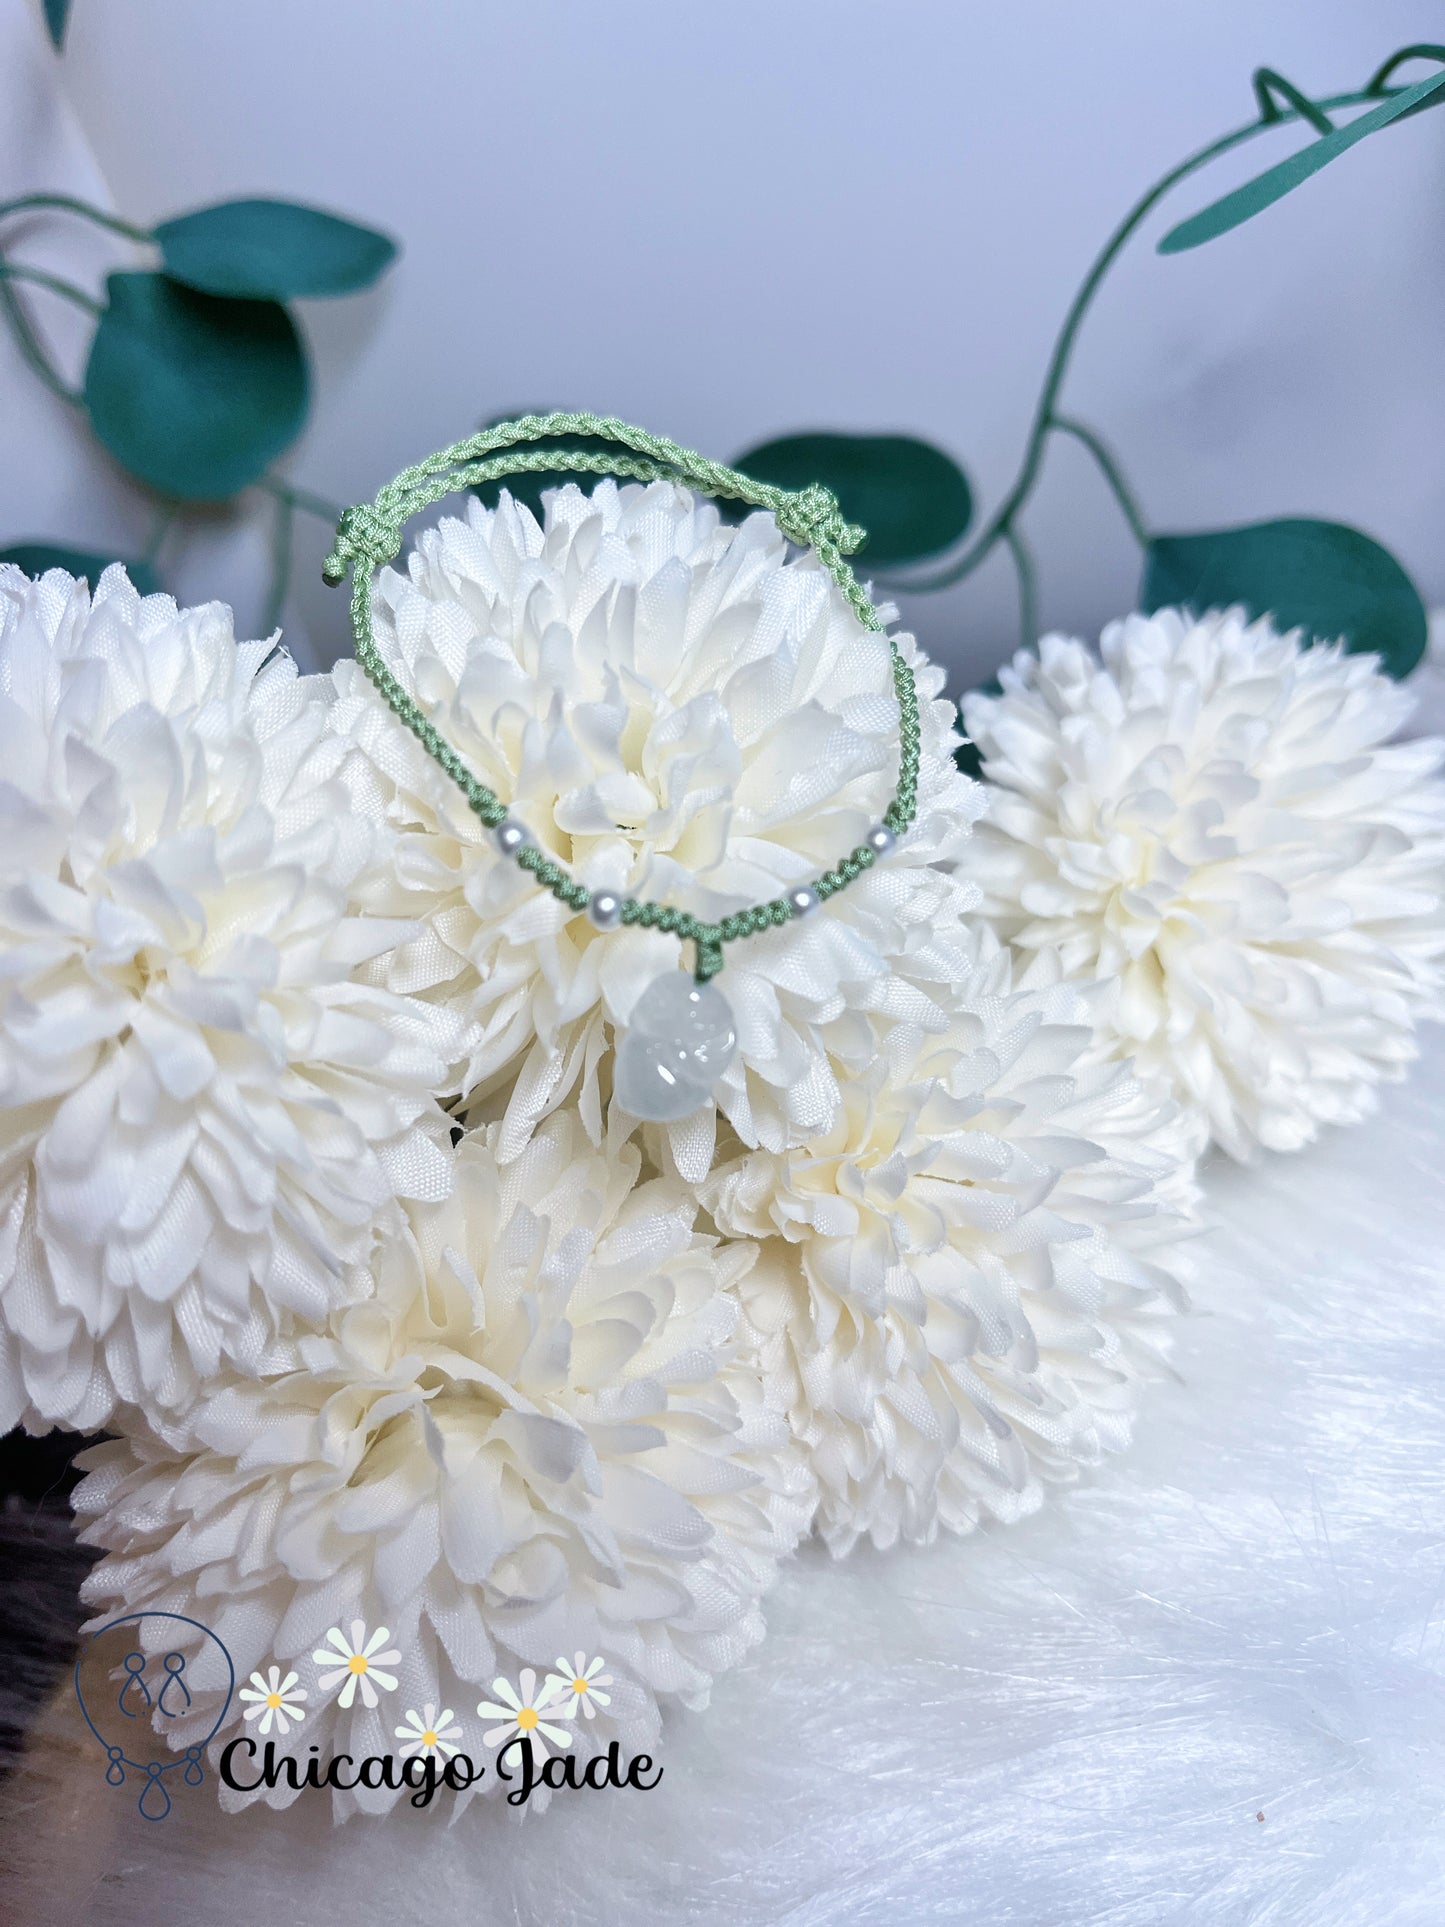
(1265, 189)
(193, 393)
(1323, 577)
(912, 498)
(36, 557)
(57, 12)
(271, 250)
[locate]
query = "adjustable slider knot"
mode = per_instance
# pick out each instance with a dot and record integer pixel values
(813, 519)
(363, 535)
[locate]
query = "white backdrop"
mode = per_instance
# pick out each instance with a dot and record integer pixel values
(727, 222)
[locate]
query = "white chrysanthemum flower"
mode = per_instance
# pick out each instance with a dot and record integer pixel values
(675, 710)
(201, 1107)
(1217, 818)
(963, 1284)
(533, 1438)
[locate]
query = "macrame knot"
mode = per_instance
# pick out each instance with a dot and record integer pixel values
(813, 519)
(363, 535)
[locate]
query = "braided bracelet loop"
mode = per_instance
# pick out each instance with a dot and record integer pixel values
(370, 535)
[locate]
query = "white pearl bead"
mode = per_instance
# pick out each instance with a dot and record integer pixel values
(680, 1040)
(804, 900)
(605, 909)
(880, 839)
(510, 835)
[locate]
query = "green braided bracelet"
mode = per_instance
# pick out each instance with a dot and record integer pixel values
(370, 535)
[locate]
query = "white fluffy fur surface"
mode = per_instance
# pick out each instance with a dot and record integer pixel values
(1208, 1690)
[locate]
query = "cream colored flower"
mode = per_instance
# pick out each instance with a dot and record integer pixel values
(202, 1109)
(962, 1285)
(1216, 819)
(676, 710)
(534, 1436)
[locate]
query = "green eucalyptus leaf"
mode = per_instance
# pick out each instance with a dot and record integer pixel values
(57, 13)
(1267, 188)
(912, 498)
(271, 250)
(36, 557)
(1323, 577)
(194, 394)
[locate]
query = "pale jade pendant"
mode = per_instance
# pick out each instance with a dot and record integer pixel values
(680, 1040)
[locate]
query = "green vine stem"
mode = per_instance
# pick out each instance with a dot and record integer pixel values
(288, 499)
(302, 498)
(21, 326)
(160, 529)
(69, 204)
(281, 544)
(23, 329)
(1028, 582)
(1047, 420)
(1270, 88)
(28, 343)
(1377, 86)
(1108, 465)
(67, 290)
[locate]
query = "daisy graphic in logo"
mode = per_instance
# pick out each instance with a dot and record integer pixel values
(358, 1663)
(275, 1700)
(582, 1677)
(427, 1734)
(523, 1713)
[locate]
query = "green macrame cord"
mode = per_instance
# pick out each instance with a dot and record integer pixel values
(370, 535)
